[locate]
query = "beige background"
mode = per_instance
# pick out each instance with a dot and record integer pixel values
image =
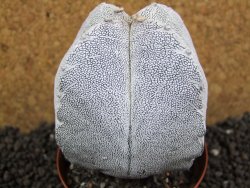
(35, 34)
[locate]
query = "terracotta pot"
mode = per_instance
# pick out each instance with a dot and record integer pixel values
(198, 169)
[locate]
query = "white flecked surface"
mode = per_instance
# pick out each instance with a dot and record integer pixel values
(130, 94)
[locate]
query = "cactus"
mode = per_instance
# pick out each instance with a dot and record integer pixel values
(130, 95)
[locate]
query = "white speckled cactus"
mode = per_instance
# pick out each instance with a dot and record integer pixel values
(130, 94)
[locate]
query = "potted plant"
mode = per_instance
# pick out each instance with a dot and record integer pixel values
(131, 95)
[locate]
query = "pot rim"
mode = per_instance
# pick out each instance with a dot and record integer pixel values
(203, 162)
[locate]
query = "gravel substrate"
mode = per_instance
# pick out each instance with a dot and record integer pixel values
(28, 160)
(89, 178)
